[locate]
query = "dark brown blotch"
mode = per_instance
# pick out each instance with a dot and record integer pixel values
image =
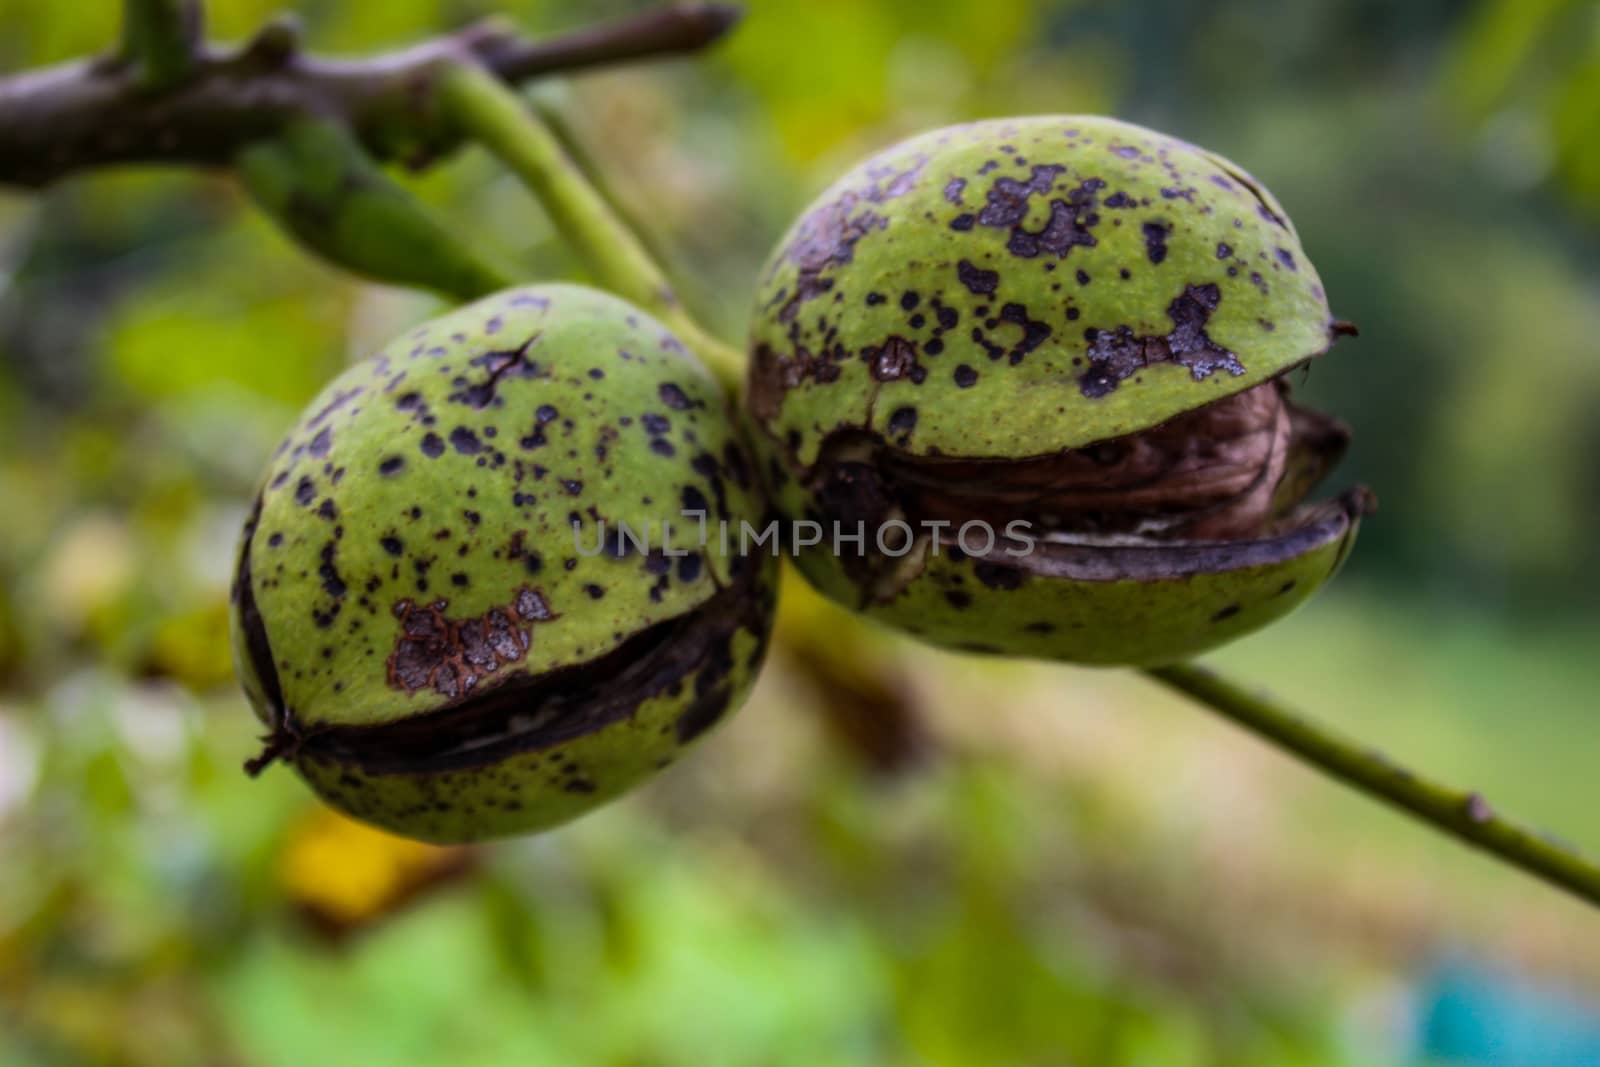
(1156, 233)
(977, 280)
(1116, 354)
(451, 655)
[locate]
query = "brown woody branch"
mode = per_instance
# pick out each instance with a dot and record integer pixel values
(102, 112)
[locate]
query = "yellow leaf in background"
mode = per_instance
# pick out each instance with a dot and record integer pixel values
(346, 874)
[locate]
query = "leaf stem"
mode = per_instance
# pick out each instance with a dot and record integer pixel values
(1464, 815)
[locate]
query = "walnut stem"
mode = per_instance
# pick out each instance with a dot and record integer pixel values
(505, 124)
(1464, 815)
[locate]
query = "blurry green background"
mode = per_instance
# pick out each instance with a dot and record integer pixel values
(1074, 868)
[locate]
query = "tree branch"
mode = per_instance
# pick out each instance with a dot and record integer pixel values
(664, 31)
(1463, 815)
(102, 112)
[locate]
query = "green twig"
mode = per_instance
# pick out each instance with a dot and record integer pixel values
(499, 119)
(161, 38)
(551, 101)
(1463, 815)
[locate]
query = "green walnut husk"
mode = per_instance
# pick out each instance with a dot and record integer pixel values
(1067, 322)
(427, 614)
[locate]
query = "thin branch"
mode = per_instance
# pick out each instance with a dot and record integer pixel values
(1462, 814)
(663, 31)
(94, 113)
